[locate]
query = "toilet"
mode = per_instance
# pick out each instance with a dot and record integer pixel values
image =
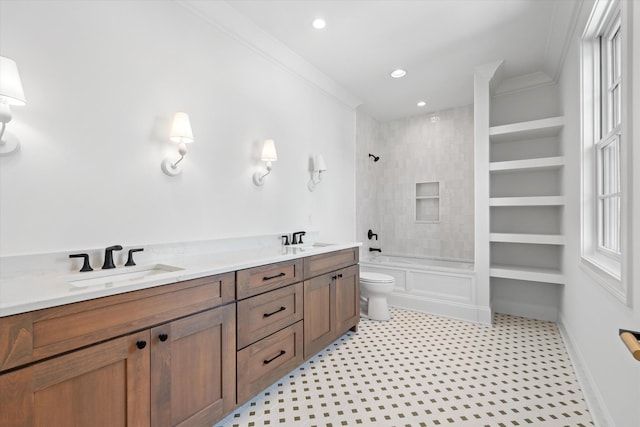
(374, 288)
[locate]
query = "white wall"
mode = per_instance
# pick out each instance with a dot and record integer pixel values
(590, 315)
(102, 81)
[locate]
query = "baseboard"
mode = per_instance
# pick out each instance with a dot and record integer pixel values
(595, 402)
(531, 311)
(466, 312)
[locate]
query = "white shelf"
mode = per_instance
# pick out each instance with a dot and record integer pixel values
(534, 129)
(527, 201)
(528, 164)
(537, 239)
(427, 197)
(527, 273)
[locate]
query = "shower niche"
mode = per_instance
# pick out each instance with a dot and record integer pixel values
(428, 202)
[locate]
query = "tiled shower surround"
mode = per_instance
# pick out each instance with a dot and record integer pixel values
(436, 147)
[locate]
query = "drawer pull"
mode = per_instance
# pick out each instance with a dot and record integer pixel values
(265, 278)
(274, 312)
(163, 337)
(267, 361)
(141, 344)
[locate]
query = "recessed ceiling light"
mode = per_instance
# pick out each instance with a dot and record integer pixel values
(421, 103)
(319, 23)
(396, 74)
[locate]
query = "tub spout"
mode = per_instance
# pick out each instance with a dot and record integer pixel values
(375, 250)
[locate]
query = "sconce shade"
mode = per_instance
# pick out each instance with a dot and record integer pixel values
(318, 164)
(11, 92)
(269, 151)
(181, 129)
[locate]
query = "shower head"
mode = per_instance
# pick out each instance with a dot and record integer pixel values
(375, 158)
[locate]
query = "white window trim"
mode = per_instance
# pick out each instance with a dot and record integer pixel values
(610, 272)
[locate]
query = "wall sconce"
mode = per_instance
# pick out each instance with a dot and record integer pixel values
(319, 166)
(182, 134)
(10, 94)
(268, 155)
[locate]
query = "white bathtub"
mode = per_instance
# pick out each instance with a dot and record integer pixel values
(431, 285)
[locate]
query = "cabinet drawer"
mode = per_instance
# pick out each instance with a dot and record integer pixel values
(319, 264)
(44, 333)
(262, 363)
(257, 280)
(265, 314)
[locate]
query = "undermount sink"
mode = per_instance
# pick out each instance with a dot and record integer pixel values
(118, 276)
(311, 245)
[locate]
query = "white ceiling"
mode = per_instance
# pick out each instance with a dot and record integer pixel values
(437, 41)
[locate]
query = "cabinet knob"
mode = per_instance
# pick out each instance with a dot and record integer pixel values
(141, 344)
(163, 337)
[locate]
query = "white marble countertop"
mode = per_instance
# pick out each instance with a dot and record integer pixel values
(44, 289)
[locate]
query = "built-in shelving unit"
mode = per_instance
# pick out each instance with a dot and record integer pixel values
(530, 153)
(519, 204)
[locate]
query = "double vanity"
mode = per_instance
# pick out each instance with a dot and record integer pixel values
(179, 343)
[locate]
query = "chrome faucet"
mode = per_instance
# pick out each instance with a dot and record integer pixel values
(108, 256)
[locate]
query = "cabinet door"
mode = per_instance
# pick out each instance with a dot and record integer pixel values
(347, 299)
(193, 369)
(319, 313)
(103, 385)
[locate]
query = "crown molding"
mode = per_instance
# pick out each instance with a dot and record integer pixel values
(560, 35)
(237, 26)
(557, 46)
(524, 82)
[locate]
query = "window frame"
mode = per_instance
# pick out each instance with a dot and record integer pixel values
(606, 266)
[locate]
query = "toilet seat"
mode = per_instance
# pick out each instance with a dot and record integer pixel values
(370, 277)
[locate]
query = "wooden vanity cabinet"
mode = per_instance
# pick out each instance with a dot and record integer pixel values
(178, 373)
(331, 300)
(183, 354)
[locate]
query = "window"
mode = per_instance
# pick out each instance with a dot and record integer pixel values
(608, 145)
(603, 147)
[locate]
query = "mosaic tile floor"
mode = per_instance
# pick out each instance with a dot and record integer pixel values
(423, 370)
